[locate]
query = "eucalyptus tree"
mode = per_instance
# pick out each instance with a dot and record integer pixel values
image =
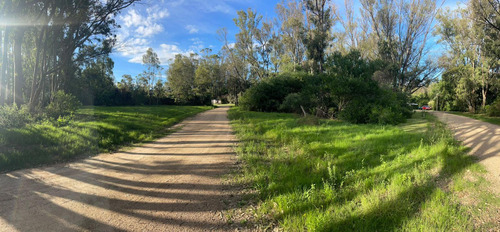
(234, 66)
(487, 14)
(400, 30)
(318, 35)
(153, 70)
(51, 40)
(291, 22)
(467, 43)
(181, 78)
(245, 47)
(210, 79)
(6, 7)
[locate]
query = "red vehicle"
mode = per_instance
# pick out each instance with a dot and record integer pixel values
(425, 107)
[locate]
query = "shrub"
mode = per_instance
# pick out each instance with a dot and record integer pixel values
(269, 94)
(12, 117)
(293, 103)
(493, 110)
(346, 91)
(63, 104)
(357, 111)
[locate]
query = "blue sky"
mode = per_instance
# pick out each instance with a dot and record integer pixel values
(173, 27)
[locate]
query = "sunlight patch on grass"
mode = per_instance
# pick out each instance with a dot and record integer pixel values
(337, 176)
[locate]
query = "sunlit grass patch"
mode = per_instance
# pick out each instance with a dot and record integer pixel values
(336, 176)
(93, 130)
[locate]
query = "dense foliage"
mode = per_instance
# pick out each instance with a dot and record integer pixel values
(470, 63)
(346, 91)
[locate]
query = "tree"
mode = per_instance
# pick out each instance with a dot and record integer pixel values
(3, 72)
(467, 45)
(18, 59)
(318, 36)
(52, 40)
(153, 70)
(181, 78)
(209, 77)
(248, 23)
(400, 29)
(234, 68)
(291, 22)
(486, 13)
(96, 83)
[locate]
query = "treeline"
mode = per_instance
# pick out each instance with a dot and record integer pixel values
(63, 46)
(471, 62)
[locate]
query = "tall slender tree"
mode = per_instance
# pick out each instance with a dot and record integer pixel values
(320, 23)
(291, 21)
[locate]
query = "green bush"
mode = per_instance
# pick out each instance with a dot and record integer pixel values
(63, 104)
(346, 91)
(493, 110)
(293, 103)
(391, 108)
(268, 95)
(12, 117)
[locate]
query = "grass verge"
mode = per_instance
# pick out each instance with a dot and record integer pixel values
(324, 175)
(480, 117)
(93, 130)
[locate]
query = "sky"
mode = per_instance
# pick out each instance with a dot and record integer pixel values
(173, 27)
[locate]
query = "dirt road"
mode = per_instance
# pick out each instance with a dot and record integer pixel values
(172, 184)
(483, 138)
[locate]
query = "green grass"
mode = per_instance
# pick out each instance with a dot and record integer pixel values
(94, 130)
(324, 175)
(481, 117)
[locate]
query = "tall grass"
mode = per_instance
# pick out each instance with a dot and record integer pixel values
(92, 130)
(324, 175)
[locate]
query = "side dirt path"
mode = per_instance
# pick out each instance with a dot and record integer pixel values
(483, 138)
(172, 184)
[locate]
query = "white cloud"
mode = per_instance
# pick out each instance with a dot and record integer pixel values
(198, 45)
(144, 25)
(134, 38)
(192, 29)
(166, 53)
(133, 47)
(149, 30)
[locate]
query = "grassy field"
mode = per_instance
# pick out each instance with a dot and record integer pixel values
(324, 175)
(93, 130)
(481, 117)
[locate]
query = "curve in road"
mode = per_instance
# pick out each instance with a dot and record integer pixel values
(481, 137)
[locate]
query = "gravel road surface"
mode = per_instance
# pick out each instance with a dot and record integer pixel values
(482, 138)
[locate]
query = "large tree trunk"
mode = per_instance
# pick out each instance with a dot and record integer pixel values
(484, 90)
(38, 71)
(18, 67)
(5, 62)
